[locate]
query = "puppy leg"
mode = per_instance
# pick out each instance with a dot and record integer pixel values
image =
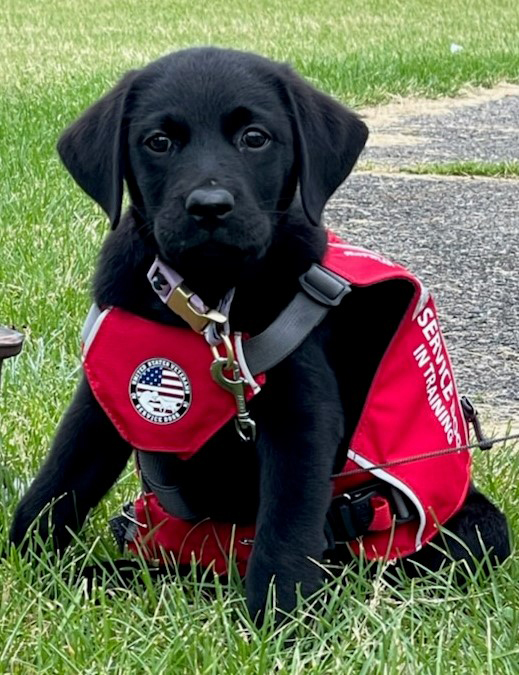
(85, 460)
(300, 426)
(479, 525)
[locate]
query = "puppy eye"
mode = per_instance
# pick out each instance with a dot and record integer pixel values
(158, 142)
(254, 138)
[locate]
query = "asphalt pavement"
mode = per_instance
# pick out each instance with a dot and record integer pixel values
(488, 131)
(459, 235)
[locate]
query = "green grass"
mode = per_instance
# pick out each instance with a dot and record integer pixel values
(363, 50)
(473, 168)
(57, 57)
(51, 625)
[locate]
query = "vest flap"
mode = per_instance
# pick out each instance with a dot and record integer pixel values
(413, 408)
(154, 383)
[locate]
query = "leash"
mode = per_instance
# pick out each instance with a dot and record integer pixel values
(430, 455)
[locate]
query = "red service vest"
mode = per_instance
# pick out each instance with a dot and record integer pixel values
(154, 383)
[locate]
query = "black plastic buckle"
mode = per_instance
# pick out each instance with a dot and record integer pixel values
(356, 513)
(351, 514)
(123, 526)
(471, 415)
(324, 286)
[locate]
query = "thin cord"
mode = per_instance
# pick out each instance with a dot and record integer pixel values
(426, 455)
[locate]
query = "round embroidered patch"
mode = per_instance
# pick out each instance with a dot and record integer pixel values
(160, 391)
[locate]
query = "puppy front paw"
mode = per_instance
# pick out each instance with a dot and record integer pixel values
(281, 575)
(46, 527)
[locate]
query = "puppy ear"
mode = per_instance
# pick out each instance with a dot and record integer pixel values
(329, 139)
(94, 148)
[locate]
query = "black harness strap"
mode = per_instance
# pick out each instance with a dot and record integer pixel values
(321, 290)
(168, 494)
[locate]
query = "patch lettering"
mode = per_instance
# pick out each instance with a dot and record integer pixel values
(160, 391)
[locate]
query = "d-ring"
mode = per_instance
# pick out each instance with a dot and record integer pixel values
(229, 351)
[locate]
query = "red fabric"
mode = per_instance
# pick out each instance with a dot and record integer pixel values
(140, 341)
(209, 543)
(382, 515)
(412, 408)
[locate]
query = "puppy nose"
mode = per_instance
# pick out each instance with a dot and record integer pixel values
(209, 203)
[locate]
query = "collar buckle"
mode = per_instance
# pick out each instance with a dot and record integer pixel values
(179, 301)
(170, 288)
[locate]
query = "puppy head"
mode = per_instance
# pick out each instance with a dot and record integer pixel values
(212, 145)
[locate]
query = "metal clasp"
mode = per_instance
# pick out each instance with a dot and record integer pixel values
(229, 357)
(180, 302)
(235, 384)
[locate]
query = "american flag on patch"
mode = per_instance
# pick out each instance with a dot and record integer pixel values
(161, 389)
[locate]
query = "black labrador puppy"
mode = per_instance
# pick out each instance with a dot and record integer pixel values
(229, 159)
